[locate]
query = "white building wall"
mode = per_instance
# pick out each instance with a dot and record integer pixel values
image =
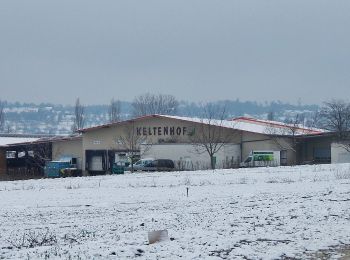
(152, 128)
(186, 157)
(71, 148)
(339, 154)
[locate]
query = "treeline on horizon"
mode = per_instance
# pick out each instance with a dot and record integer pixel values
(185, 108)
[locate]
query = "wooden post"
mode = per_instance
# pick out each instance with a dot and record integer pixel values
(3, 162)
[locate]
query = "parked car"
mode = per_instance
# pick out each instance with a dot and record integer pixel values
(151, 165)
(140, 164)
(163, 165)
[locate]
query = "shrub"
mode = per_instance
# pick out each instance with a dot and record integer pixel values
(31, 239)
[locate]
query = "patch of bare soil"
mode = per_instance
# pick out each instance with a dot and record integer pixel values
(339, 252)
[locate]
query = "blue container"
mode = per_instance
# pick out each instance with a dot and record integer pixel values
(55, 169)
(117, 169)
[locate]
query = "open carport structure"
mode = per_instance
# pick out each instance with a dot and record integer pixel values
(17, 160)
(23, 157)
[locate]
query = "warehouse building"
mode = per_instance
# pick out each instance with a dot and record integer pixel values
(95, 149)
(172, 137)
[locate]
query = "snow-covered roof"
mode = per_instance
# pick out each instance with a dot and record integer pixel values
(241, 123)
(254, 125)
(273, 127)
(6, 141)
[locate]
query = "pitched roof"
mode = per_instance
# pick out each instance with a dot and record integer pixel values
(7, 141)
(273, 127)
(28, 141)
(241, 123)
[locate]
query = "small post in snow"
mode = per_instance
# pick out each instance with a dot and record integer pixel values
(187, 188)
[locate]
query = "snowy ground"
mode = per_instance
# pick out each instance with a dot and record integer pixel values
(268, 213)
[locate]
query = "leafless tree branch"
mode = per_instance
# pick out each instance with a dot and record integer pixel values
(79, 118)
(294, 124)
(210, 136)
(148, 104)
(2, 116)
(131, 142)
(335, 117)
(114, 111)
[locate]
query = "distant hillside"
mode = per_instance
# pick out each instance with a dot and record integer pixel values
(48, 118)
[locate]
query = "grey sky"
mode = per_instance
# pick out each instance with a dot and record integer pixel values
(55, 51)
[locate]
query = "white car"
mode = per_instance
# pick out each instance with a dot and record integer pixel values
(141, 164)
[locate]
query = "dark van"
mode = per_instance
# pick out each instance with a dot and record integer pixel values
(160, 165)
(151, 165)
(164, 165)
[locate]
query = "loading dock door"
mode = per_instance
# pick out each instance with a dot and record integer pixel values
(284, 157)
(96, 163)
(322, 155)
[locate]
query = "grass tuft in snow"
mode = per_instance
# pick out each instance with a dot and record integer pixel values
(32, 238)
(342, 174)
(72, 187)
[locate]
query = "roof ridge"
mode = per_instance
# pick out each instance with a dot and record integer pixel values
(277, 123)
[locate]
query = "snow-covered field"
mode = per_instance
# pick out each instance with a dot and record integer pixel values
(268, 213)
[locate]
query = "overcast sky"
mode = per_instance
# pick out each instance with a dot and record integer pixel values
(55, 51)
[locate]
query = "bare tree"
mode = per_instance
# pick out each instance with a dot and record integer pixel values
(294, 124)
(41, 154)
(2, 116)
(8, 129)
(335, 116)
(292, 127)
(148, 104)
(210, 137)
(270, 116)
(79, 118)
(314, 120)
(114, 111)
(131, 142)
